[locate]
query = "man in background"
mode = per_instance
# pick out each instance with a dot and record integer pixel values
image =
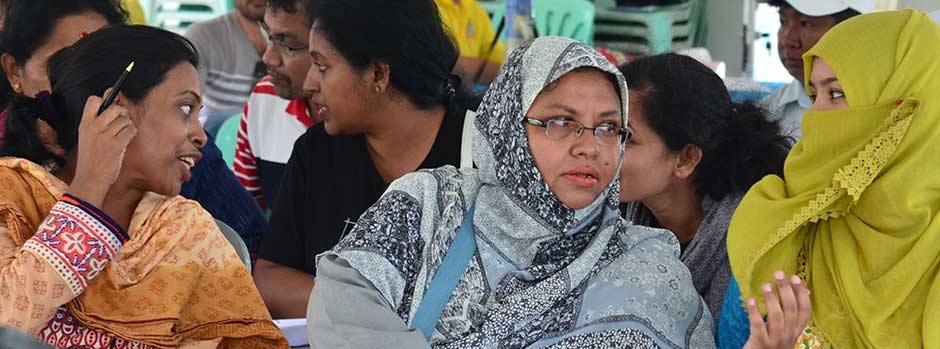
(230, 48)
(278, 110)
(802, 24)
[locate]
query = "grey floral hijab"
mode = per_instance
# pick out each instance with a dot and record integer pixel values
(543, 275)
(501, 148)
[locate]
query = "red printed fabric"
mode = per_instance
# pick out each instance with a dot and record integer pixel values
(75, 243)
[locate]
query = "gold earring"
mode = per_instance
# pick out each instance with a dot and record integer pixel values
(678, 173)
(16, 87)
(378, 88)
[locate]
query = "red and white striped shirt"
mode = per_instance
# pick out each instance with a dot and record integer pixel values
(266, 135)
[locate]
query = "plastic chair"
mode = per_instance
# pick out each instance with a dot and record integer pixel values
(568, 18)
(650, 29)
(498, 15)
(491, 6)
(217, 7)
(178, 21)
(177, 15)
(237, 243)
(227, 138)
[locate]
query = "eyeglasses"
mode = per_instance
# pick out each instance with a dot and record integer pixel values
(561, 128)
(283, 47)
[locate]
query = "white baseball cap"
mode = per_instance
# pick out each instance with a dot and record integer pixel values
(818, 8)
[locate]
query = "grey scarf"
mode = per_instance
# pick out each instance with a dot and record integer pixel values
(706, 255)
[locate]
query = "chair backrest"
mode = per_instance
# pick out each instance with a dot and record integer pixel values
(498, 15)
(568, 18)
(237, 243)
(227, 138)
(177, 15)
(649, 29)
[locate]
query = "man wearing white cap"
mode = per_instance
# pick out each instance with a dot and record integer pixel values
(802, 24)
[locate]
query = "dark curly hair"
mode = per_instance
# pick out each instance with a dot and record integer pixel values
(687, 103)
(290, 6)
(88, 68)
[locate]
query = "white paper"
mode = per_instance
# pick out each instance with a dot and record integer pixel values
(294, 329)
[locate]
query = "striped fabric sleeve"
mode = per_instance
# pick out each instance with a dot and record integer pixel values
(246, 169)
(77, 240)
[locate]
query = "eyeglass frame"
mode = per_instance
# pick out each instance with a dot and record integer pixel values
(625, 134)
(282, 46)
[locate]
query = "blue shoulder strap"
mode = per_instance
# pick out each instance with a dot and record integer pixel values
(445, 279)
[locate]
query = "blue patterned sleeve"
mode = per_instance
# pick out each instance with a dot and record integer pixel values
(733, 325)
(215, 187)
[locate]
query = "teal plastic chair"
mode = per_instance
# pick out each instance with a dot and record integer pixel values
(498, 15)
(227, 139)
(177, 15)
(650, 29)
(237, 243)
(569, 18)
(491, 6)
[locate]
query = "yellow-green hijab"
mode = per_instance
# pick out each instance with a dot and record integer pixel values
(858, 214)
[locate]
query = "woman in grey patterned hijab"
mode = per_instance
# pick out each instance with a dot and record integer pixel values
(554, 267)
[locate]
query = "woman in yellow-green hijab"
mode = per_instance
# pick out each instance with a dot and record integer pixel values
(858, 213)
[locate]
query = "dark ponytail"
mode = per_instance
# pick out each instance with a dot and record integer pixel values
(751, 149)
(20, 138)
(686, 103)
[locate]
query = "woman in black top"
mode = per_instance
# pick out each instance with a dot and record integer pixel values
(381, 74)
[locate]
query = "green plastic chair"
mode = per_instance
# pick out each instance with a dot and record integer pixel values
(491, 6)
(569, 18)
(177, 15)
(227, 139)
(648, 30)
(497, 16)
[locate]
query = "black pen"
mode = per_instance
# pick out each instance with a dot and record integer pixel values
(117, 88)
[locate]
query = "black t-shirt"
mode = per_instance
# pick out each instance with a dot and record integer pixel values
(329, 182)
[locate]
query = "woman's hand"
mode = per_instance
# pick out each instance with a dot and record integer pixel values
(102, 142)
(786, 318)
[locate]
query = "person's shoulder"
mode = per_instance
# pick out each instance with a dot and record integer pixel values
(788, 93)
(660, 243)
(427, 180)
(650, 259)
(210, 29)
(263, 99)
(655, 252)
(263, 87)
(176, 206)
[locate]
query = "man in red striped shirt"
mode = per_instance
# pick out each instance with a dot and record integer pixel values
(278, 110)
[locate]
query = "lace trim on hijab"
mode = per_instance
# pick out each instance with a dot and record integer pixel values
(851, 179)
